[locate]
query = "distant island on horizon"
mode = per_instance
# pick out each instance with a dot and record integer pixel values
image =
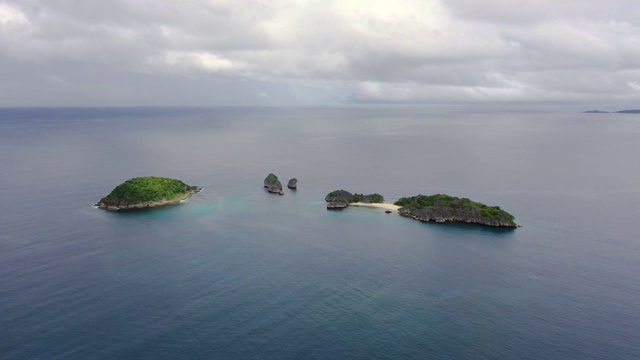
(612, 112)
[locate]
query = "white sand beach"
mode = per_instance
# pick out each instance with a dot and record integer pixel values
(377, 205)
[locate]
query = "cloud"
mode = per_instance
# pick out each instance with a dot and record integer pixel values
(406, 50)
(12, 18)
(193, 61)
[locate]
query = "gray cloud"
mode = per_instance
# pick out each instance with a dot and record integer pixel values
(278, 52)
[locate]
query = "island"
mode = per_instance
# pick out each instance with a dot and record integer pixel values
(272, 184)
(615, 112)
(147, 192)
(444, 208)
(293, 184)
(341, 199)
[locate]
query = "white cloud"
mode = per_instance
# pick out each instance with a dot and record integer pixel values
(12, 18)
(202, 61)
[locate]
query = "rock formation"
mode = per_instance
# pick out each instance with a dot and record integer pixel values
(293, 184)
(338, 199)
(273, 185)
(337, 205)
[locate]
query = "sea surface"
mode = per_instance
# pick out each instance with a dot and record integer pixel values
(238, 273)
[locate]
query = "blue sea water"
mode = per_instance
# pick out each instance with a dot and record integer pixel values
(238, 273)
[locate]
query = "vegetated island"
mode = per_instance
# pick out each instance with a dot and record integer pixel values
(439, 208)
(272, 184)
(147, 192)
(341, 199)
(628, 112)
(444, 208)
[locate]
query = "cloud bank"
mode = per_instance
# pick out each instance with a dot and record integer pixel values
(248, 52)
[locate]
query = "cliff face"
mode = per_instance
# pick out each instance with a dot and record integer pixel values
(444, 208)
(273, 185)
(447, 215)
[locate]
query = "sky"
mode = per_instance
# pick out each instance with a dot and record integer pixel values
(273, 52)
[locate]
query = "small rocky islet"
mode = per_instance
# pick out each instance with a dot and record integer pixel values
(147, 192)
(272, 184)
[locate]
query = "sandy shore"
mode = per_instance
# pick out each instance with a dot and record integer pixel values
(377, 205)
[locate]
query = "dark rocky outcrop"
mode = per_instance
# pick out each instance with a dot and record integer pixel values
(293, 184)
(337, 205)
(596, 112)
(338, 199)
(628, 112)
(273, 185)
(444, 208)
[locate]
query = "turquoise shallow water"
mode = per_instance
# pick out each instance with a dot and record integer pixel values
(237, 273)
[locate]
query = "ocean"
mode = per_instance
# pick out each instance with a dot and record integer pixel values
(238, 273)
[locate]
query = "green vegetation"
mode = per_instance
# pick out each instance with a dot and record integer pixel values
(376, 198)
(346, 196)
(147, 188)
(335, 193)
(271, 177)
(440, 202)
(372, 198)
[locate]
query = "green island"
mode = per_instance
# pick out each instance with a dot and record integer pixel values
(444, 208)
(147, 192)
(340, 199)
(439, 208)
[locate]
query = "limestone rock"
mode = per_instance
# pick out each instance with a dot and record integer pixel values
(337, 205)
(338, 196)
(273, 185)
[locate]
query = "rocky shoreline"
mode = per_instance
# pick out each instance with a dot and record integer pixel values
(454, 219)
